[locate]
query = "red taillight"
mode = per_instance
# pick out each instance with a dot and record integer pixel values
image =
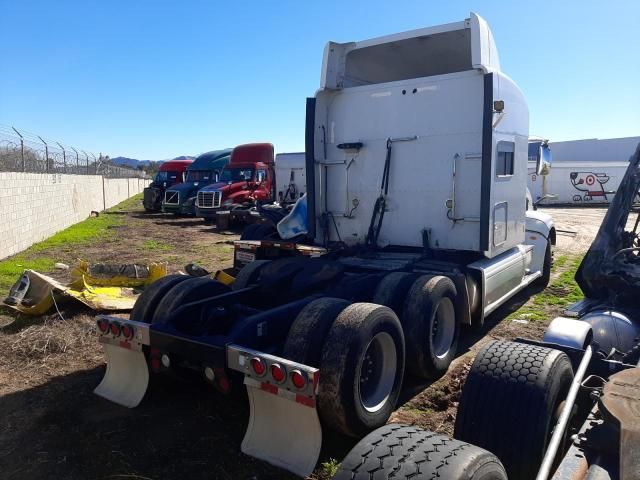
(278, 373)
(258, 366)
(298, 379)
(115, 329)
(103, 326)
(127, 331)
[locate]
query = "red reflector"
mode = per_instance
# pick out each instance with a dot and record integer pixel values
(127, 331)
(278, 373)
(115, 329)
(103, 325)
(298, 379)
(155, 364)
(267, 387)
(258, 366)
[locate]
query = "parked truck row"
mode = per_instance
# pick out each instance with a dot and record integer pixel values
(226, 186)
(416, 226)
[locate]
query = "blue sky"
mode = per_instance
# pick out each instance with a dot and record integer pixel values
(156, 79)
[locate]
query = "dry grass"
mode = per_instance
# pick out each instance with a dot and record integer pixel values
(38, 351)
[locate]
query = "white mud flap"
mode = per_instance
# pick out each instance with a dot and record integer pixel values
(127, 377)
(281, 431)
(284, 428)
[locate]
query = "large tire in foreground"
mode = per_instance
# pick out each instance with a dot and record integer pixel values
(186, 292)
(430, 326)
(146, 304)
(362, 366)
(249, 274)
(392, 290)
(406, 452)
(510, 402)
(307, 333)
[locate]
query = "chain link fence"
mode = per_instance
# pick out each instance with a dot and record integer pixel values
(22, 151)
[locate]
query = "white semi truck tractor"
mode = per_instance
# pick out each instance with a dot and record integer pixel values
(416, 168)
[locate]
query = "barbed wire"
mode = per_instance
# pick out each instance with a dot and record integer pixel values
(23, 151)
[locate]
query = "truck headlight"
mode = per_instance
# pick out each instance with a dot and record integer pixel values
(189, 202)
(227, 202)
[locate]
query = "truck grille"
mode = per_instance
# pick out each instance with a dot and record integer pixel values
(171, 196)
(209, 199)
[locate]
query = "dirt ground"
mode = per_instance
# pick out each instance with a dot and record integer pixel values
(53, 426)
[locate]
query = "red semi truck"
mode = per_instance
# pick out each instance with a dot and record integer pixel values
(248, 178)
(170, 173)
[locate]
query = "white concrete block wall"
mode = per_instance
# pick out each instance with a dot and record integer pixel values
(34, 206)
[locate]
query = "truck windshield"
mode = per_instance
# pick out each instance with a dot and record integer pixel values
(236, 174)
(169, 177)
(200, 176)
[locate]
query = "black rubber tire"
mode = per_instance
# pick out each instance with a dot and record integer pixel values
(249, 274)
(188, 291)
(256, 231)
(307, 333)
(510, 400)
(543, 281)
(408, 452)
(418, 320)
(151, 296)
(392, 290)
(343, 354)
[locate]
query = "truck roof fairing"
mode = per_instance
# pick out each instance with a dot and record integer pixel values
(453, 47)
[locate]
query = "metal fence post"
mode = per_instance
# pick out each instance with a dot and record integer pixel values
(46, 153)
(77, 160)
(64, 157)
(86, 158)
(24, 167)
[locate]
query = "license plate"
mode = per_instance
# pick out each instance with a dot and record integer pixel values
(245, 257)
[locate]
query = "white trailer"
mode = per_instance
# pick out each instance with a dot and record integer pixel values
(585, 172)
(290, 177)
(416, 164)
(578, 183)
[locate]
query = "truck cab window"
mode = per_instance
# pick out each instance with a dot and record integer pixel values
(236, 174)
(504, 159)
(261, 176)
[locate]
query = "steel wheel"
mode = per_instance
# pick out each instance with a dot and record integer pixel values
(444, 328)
(377, 372)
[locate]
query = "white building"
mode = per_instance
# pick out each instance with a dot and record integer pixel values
(584, 171)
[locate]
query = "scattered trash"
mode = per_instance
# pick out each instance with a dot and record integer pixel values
(94, 213)
(61, 266)
(99, 286)
(520, 320)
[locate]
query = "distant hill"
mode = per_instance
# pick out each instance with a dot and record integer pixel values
(135, 163)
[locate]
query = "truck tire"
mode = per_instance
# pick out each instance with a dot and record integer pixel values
(185, 292)
(151, 296)
(362, 366)
(543, 281)
(392, 290)
(307, 333)
(256, 231)
(249, 274)
(430, 326)
(510, 401)
(408, 452)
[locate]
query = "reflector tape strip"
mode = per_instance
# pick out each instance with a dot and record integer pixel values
(281, 392)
